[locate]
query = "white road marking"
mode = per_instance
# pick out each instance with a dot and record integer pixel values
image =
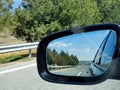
(79, 74)
(18, 68)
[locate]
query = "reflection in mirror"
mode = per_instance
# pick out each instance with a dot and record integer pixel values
(86, 54)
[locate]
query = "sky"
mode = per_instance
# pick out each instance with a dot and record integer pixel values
(84, 46)
(16, 4)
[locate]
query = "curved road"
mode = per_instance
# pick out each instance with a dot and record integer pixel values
(79, 70)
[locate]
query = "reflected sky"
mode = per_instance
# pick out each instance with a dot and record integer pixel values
(84, 45)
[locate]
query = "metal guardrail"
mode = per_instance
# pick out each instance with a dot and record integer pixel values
(18, 47)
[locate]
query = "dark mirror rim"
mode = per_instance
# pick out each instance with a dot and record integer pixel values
(41, 62)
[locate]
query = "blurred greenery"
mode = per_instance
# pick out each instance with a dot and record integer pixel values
(33, 20)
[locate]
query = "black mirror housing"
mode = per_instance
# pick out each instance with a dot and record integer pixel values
(42, 62)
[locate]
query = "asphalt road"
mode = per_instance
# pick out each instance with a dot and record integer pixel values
(24, 76)
(79, 70)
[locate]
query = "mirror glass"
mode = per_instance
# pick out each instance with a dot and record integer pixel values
(86, 54)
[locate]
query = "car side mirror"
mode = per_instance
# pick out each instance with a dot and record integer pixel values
(83, 55)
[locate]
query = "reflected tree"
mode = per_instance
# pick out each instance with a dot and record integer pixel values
(62, 58)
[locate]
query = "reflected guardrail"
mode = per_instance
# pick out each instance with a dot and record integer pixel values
(18, 47)
(58, 67)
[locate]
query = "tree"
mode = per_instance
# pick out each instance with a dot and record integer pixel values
(39, 18)
(62, 58)
(5, 16)
(110, 11)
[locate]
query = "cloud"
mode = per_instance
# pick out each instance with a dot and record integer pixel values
(60, 44)
(85, 50)
(75, 49)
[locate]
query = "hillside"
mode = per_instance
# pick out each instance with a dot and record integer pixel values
(13, 56)
(9, 40)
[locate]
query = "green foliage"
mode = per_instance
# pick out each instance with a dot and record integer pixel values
(41, 17)
(6, 16)
(62, 58)
(33, 20)
(110, 11)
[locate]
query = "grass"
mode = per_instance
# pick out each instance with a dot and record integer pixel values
(16, 56)
(12, 58)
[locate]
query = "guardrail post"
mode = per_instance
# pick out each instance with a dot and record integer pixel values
(30, 53)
